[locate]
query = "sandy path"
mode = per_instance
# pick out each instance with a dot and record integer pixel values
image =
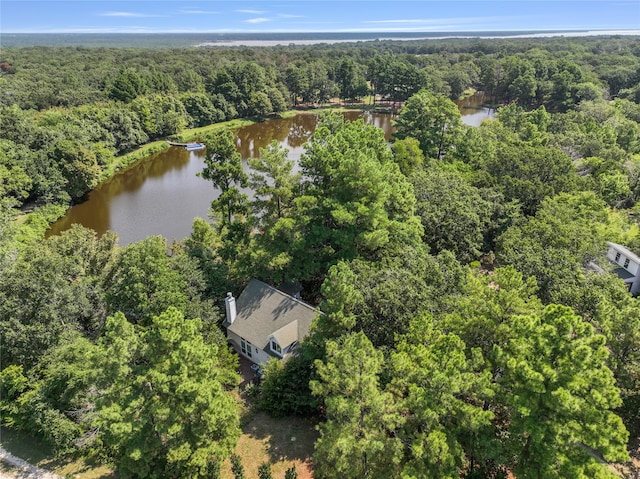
(24, 469)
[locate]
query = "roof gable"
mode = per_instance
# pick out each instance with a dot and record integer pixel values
(287, 334)
(264, 312)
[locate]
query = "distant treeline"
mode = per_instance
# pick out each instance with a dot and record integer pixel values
(178, 40)
(65, 112)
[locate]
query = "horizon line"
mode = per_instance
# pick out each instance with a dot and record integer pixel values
(306, 32)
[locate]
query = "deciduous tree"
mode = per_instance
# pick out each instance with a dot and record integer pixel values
(408, 155)
(127, 86)
(454, 215)
(433, 120)
(145, 281)
(51, 288)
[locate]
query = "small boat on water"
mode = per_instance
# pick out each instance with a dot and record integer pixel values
(188, 146)
(194, 146)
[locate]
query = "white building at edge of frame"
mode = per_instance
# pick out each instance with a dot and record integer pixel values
(628, 264)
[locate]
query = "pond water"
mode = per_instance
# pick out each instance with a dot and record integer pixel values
(162, 195)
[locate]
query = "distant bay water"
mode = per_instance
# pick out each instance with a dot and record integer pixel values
(217, 39)
(272, 42)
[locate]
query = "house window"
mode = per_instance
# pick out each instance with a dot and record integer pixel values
(246, 347)
(626, 263)
(275, 347)
(617, 257)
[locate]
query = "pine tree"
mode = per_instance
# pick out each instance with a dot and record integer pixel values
(236, 467)
(264, 471)
(224, 169)
(165, 411)
(358, 439)
(291, 473)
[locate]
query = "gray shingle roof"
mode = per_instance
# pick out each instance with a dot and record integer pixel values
(623, 274)
(264, 312)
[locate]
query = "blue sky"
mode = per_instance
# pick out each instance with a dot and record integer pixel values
(88, 16)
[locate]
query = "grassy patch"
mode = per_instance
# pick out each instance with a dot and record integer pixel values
(283, 442)
(196, 133)
(79, 469)
(24, 446)
(39, 454)
(124, 161)
(32, 226)
(467, 93)
(288, 114)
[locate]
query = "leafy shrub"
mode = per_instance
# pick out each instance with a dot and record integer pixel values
(285, 388)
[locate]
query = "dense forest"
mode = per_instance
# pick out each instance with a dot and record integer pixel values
(467, 329)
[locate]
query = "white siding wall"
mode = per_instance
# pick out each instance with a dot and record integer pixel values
(632, 267)
(234, 339)
(257, 355)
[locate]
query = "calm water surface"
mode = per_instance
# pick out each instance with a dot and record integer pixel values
(162, 194)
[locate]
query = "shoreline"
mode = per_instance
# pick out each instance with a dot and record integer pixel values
(34, 226)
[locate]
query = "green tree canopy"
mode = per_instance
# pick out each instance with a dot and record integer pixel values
(127, 86)
(440, 396)
(354, 202)
(567, 232)
(559, 394)
(433, 120)
(407, 154)
(357, 439)
(53, 287)
(223, 167)
(552, 391)
(274, 182)
(165, 411)
(145, 281)
(454, 215)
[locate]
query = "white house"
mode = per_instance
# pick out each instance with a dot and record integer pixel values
(629, 266)
(264, 322)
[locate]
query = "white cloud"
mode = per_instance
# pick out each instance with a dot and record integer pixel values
(199, 12)
(129, 15)
(252, 12)
(127, 29)
(258, 20)
(413, 20)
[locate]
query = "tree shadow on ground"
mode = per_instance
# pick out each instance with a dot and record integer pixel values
(288, 439)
